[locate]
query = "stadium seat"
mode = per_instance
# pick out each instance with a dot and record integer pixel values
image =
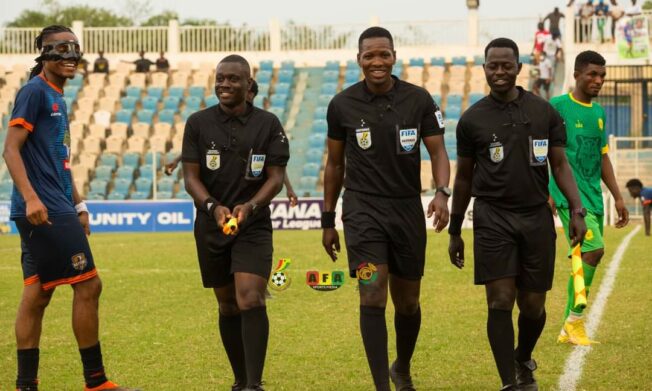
(171, 103)
(115, 195)
(266, 65)
(211, 100)
(99, 186)
(186, 113)
(416, 62)
(109, 159)
(119, 129)
(333, 66)
(459, 60)
(134, 91)
(263, 89)
(282, 88)
(197, 91)
(279, 112)
(287, 65)
(329, 88)
(150, 103)
(286, 76)
(475, 97)
(123, 116)
(320, 113)
(115, 143)
(145, 115)
(264, 77)
(158, 143)
(331, 76)
(182, 195)
(144, 184)
(259, 101)
(317, 140)
(131, 159)
(102, 117)
(193, 102)
(146, 170)
(159, 79)
(96, 79)
(308, 182)
(314, 155)
(319, 126)
(103, 172)
(166, 184)
(92, 144)
(311, 169)
(71, 92)
(149, 158)
(155, 92)
(6, 185)
(352, 76)
(95, 196)
(163, 129)
(141, 129)
(453, 100)
(166, 116)
(324, 100)
(453, 112)
(78, 80)
(176, 91)
(351, 64)
(279, 100)
(438, 61)
(139, 195)
(125, 172)
(164, 195)
(122, 185)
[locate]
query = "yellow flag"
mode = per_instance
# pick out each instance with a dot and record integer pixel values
(578, 277)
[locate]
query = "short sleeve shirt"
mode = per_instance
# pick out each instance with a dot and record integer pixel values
(646, 196)
(510, 143)
(41, 110)
(587, 142)
(382, 136)
(142, 65)
(101, 65)
(232, 152)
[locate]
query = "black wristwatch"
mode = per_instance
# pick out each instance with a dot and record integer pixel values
(579, 211)
(254, 207)
(444, 190)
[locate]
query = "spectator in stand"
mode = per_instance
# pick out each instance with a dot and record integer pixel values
(101, 64)
(634, 9)
(545, 77)
(539, 39)
(162, 64)
(142, 64)
(554, 17)
(616, 13)
(601, 11)
(586, 21)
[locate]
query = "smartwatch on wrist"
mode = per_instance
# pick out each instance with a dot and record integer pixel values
(444, 190)
(579, 211)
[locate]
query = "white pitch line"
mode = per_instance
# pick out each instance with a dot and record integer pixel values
(575, 362)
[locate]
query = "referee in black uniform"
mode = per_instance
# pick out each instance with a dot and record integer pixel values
(234, 157)
(378, 125)
(504, 143)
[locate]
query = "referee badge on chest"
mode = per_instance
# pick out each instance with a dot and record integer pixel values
(363, 136)
(212, 159)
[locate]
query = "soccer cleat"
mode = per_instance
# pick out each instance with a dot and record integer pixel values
(237, 386)
(402, 381)
(563, 337)
(109, 386)
(509, 387)
(524, 378)
(576, 333)
(257, 387)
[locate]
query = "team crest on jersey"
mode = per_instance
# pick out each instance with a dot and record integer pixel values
(363, 136)
(55, 110)
(212, 159)
(540, 149)
(408, 139)
(440, 118)
(600, 124)
(257, 164)
(79, 261)
(496, 152)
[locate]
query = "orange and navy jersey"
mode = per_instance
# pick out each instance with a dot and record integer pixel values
(41, 110)
(646, 196)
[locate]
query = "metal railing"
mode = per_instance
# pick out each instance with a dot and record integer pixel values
(598, 29)
(517, 29)
(631, 157)
(125, 39)
(429, 33)
(223, 39)
(320, 37)
(18, 40)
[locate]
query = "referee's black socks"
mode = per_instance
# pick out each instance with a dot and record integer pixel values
(500, 331)
(407, 331)
(374, 337)
(26, 379)
(529, 331)
(93, 367)
(255, 332)
(231, 333)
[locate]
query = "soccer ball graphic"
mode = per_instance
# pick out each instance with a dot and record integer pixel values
(279, 279)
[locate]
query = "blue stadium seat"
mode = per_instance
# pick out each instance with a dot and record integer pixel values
(69, 103)
(279, 100)
(398, 69)
(347, 85)
(454, 100)
(524, 58)
(123, 116)
(475, 97)
(333, 66)
(267, 65)
(453, 112)
(144, 184)
(6, 185)
(146, 170)
(287, 64)
(437, 99)
(134, 91)
(186, 113)
(317, 140)
(164, 195)
(176, 91)
(314, 155)
(417, 62)
(155, 92)
(109, 159)
(131, 159)
(311, 169)
(150, 103)
(329, 88)
(438, 61)
(319, 126)
(103, 172)
(320, 112)
(279, 112)
(211, 100)
(259, 101)
(99, 186)
(126, 172)
(351, 64)
(128, 103)
(171, 103)
(139, 195)
(459, 60)
(115, 195)
(5, 195)
(93, 196)
(146, 116)
(263, 77)
(352, 76)
(263, 89)
(182, 195)
(78, 80)
(286, 76)
(282, 88)
(149, 158)
(193, 102)
(166, 116)
(71, 92)
(478, 60)
(166, 184)
(331, 76)
(308, 182)
(324, 100)
(121, 185)
(197, 91)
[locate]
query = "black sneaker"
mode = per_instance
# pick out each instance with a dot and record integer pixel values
(257, 387)
(525, 380)
(237, 386)
(509, 387)
(402, 381)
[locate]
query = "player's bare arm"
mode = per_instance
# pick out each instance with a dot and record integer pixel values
(292, 196)
(646, 219)
(83, 212)
(333, 179)
(441, 173)
(564, 177)
(199, 194)
(609, 179)
(461, 199)
(270, 188)
(37, 213)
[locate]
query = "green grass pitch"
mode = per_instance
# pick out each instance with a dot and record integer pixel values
(159, 332)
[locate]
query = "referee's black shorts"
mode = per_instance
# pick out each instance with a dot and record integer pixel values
(518, 244)
(250, 251)
(383, 230)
